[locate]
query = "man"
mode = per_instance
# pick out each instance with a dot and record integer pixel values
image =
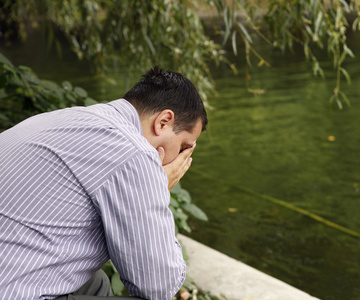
(83, 185)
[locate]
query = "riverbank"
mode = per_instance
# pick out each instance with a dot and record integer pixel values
(222, 275)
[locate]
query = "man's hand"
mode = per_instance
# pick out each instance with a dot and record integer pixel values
(178, 167)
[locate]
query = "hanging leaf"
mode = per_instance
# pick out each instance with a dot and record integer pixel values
(233, 39)
(245, 32)
(346, 74)
(318, 22)
(348, 51)
(345, 98)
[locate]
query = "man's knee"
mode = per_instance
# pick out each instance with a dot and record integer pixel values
(104, 282)
(98, 285)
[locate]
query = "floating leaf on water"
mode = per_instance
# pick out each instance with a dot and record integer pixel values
(232, 209)
(261, 62)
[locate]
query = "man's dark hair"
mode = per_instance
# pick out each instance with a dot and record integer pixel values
(159, 90)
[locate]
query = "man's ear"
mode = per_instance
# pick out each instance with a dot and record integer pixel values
(164, 120)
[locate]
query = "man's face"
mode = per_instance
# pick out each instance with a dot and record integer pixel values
(174, 143)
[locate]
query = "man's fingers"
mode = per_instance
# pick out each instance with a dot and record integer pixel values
(184, 155)
(179, 166)
(191, 149)
(189, 161)
(186, 167)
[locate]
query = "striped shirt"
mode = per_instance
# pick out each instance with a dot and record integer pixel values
(80, 186)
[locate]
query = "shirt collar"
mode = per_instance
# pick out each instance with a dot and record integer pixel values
(128, 111)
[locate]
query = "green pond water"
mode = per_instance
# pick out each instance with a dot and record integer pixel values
(260, 154)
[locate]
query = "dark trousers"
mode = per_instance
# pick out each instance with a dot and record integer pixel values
(97, 288)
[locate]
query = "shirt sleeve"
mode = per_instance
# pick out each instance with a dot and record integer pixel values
(139, 228)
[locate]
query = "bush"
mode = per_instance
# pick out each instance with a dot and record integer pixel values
(23, 94)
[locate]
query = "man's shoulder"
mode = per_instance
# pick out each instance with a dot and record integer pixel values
(120, 113)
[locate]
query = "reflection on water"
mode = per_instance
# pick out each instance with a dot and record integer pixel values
(286, 144)
(289, 145)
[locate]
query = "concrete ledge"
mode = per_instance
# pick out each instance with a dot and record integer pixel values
(222, 275)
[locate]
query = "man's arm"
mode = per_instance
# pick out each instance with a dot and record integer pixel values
(139, 228)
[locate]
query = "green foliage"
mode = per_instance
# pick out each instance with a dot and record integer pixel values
(139, 34)
(117, 286)
(133, 33)
(311, 24)
(180, 205)
(23, 94)
(190, 291)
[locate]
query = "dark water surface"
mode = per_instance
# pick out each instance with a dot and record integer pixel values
(286, 145)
